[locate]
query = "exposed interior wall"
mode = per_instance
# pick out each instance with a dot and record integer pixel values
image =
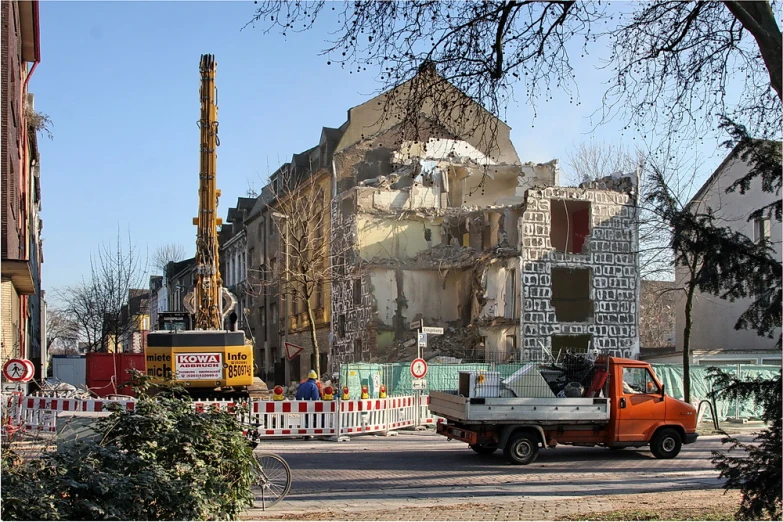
(610, 255)
(382, 237)
(402, 296)
(500, 343)
(501, 290)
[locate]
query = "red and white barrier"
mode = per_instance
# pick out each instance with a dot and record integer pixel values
(275, 419)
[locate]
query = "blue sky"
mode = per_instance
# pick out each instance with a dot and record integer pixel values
(120, 82)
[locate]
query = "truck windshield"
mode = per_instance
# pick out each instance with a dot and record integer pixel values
(638, 380)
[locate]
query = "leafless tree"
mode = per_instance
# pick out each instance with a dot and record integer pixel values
(657, 314)
(165, 254)
(62, 333)
(99, 304)
(301, 216)
(590, 161)
(670, 64)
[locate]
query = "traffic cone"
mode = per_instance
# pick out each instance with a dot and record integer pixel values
(365, 393)
(382, 392)
(277, 393)
(346, 396)
(328, 393)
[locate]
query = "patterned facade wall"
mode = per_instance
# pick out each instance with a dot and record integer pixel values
(610, 252)
(353, 328)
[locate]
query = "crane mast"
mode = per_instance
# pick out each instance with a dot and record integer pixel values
(207, 358)
(208, 283)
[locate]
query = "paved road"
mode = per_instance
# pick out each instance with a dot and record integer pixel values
(418, 468)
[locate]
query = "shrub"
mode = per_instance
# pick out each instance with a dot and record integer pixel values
(161, 461)
(757, 474)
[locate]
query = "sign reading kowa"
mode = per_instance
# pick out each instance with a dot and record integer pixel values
(198, 366)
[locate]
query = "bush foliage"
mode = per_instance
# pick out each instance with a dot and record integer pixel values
(757, 473)
(161, 461)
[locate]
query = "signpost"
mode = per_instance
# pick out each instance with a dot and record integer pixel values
(292, 350)
(419, 365)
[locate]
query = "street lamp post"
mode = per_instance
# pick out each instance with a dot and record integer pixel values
(284, 295)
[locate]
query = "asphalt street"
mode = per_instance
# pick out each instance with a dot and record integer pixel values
(422, 468)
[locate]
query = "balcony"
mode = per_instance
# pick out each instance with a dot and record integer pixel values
(20, 275)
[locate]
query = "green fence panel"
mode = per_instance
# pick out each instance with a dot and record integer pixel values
(444, 377)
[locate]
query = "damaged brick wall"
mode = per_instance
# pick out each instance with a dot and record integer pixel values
(609, 253)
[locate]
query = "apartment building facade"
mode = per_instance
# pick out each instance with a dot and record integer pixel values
(22, 307)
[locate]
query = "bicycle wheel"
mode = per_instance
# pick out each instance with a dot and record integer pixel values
(273, 480)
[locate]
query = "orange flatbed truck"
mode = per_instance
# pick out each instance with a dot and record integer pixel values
(625, 406)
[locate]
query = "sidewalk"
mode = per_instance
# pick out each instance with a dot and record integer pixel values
(690, 504)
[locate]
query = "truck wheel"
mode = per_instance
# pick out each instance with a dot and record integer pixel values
(521, 448)
(483, 450)
(666, 444)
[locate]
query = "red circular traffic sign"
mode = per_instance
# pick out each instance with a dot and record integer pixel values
(419, 368)
(19, 370)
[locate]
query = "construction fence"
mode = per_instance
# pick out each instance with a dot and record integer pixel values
(273, 419)
(397, 379)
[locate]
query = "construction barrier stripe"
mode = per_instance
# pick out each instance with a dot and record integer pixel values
(275, 418)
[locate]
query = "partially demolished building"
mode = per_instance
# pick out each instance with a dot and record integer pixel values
(469, 238)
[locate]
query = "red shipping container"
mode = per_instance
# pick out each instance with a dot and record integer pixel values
(107, 373)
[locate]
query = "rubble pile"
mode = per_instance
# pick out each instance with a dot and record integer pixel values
(619, 182)
(458, 343)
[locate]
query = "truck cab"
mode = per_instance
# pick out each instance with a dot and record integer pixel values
(621, 403)
(641, 410)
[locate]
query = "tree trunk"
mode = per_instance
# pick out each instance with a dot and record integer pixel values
(759, 20)
(686, 343)
(314, 338)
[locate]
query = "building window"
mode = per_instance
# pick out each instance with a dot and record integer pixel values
(357, 291)
(319, 295)
(570, 225)
(341, 325)
(262, 321)
(761, 229)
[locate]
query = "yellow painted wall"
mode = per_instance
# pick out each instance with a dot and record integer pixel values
(385, 238)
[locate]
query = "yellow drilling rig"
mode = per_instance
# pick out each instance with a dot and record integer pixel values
(206, 358)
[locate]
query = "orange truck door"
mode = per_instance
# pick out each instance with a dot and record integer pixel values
(641, 407)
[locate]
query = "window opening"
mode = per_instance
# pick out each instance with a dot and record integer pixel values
(571, 294)
(570, 225)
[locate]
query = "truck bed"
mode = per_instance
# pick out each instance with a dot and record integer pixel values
(492, 410)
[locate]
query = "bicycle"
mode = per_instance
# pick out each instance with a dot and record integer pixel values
(272, 474)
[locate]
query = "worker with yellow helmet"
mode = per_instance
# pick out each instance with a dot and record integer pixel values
(308, 390)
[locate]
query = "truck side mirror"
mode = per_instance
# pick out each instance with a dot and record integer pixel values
(663, 391)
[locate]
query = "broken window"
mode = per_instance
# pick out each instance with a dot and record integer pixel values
(571, 294)
(569, 343)
(570, 225)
